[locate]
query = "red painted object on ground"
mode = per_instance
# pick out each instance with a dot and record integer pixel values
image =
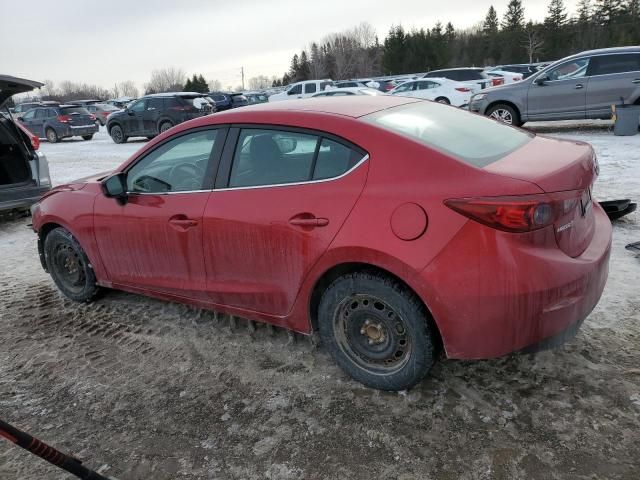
(390, 224)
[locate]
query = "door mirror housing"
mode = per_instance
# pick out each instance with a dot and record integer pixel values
(291, 92)
(129, 112)
(115, 186)
(542, 80)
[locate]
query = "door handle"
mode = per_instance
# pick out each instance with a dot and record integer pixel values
(182, 223)
(579, 86)
(637, 80)
(309, 222)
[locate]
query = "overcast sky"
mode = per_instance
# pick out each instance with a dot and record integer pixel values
(109, 41)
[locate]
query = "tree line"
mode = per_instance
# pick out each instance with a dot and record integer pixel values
(495, 40)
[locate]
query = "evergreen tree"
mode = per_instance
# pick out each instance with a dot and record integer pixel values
(304, 68)
(294, 68)
(394, 51)
(584, 11)
(557, 15)
(491, 24)
(554, 32)
(490, 38)
(514, 17)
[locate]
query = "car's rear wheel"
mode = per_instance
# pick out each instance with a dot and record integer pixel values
(69, 266)
(117, 134)
(164, 126)
(52, 136)
(87, 137)
(506, 114)
(377, 331)
(443, 100)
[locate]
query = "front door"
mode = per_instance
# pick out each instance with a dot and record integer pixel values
(133, 121)
(284, 199)
(562, 95)
(154, 241)
(29, 121)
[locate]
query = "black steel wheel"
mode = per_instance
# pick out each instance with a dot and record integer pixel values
(377, 331)
(69, 266)
(117, 134)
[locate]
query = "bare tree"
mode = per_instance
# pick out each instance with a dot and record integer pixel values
(126, 88)
(48, 89)
(260, 82)
(533, 41)
(166, 80)
(215, 85)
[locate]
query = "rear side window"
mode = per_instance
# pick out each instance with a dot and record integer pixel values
(334, 159)
(608, 64)
(41, 113)
(469, 75)
(324, 85)
(473, 139)
(78, 110)
(277, 157)
(310, 88)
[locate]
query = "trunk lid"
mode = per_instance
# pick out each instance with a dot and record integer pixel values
(10, 86)
(566, 170)
(78, 116)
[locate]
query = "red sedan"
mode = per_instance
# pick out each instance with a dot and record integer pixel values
(394, 226)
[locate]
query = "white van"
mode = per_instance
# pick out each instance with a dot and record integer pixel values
(302, 89)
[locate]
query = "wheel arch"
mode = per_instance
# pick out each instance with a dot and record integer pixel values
(504, 102)
(341, 269)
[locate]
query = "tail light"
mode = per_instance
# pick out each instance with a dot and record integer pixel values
(497, 81)
(35, 141)
(64, 118)
(389, 86)
(463, 89)
(517, 214)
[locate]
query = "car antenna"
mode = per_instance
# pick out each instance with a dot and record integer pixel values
(50, 454)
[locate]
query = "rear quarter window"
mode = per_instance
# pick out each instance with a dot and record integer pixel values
(472, 139)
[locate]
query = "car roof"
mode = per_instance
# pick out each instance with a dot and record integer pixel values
(176, 94)
(354, 106)
(457, 68)
(600, 51)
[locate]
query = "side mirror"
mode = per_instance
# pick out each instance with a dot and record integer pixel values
(115, 186)
(542, 80)
(129, 112)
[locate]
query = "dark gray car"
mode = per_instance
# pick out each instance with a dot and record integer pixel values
(24, 172)
(60, 121)
(581, 86)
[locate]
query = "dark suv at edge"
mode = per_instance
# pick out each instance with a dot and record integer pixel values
(157, 113)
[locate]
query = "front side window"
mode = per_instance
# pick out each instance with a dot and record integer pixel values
(29, 115)
(405, 87)
(296, 89)
(178, 165)
(154, 104)
(608, 64)
(569, 70)
(137, 106)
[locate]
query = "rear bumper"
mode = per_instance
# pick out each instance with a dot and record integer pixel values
(497, 293)
(73, 131)
(21, 198)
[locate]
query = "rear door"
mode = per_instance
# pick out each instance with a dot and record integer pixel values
(152, 110)
(154, 241)
(37, 124)
(310, 88)
(612, 78)
(283, 196)
(563, 95)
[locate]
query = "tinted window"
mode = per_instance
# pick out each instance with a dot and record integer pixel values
(569, 70)
(607, 64)
(70, 110)
(272, 157)
(469, 75)
(29, 115)
(137, 106)
(41, 113)
(52, 113)
(296, 89)
(310, 88)
(176, 166)
(334, 159)
(324, 85)
(155, 104)
(92, 108)
(473, 139)
(405, 87)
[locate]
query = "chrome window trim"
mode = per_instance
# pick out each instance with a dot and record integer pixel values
(322, 180)
(548, 68)
(307, 182)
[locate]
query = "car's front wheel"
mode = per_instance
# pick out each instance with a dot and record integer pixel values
(443, 100)
(506, 114)
(69, 266)
(117, 135)
(377, 331)
(52, 136)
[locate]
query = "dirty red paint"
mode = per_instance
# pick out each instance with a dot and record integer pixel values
(490, 291)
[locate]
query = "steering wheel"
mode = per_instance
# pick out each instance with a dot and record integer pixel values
(186, 177)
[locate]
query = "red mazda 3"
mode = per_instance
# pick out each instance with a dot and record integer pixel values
(395, 227)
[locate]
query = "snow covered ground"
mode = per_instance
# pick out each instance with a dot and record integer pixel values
(148, 389)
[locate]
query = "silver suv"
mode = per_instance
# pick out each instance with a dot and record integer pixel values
(581, 86)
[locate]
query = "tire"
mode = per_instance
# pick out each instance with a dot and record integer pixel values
(377, 331)
(87, 137)
(505, 113)
(69, 266)
(52, 136)
(443, 100)
(164, 126)
(117, 135)
(151, 137)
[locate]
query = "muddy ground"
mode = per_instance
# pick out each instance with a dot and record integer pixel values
(145, 389)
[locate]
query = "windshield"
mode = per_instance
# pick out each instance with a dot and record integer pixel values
(474, 139)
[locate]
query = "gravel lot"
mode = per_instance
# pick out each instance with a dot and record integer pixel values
(144, 389)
